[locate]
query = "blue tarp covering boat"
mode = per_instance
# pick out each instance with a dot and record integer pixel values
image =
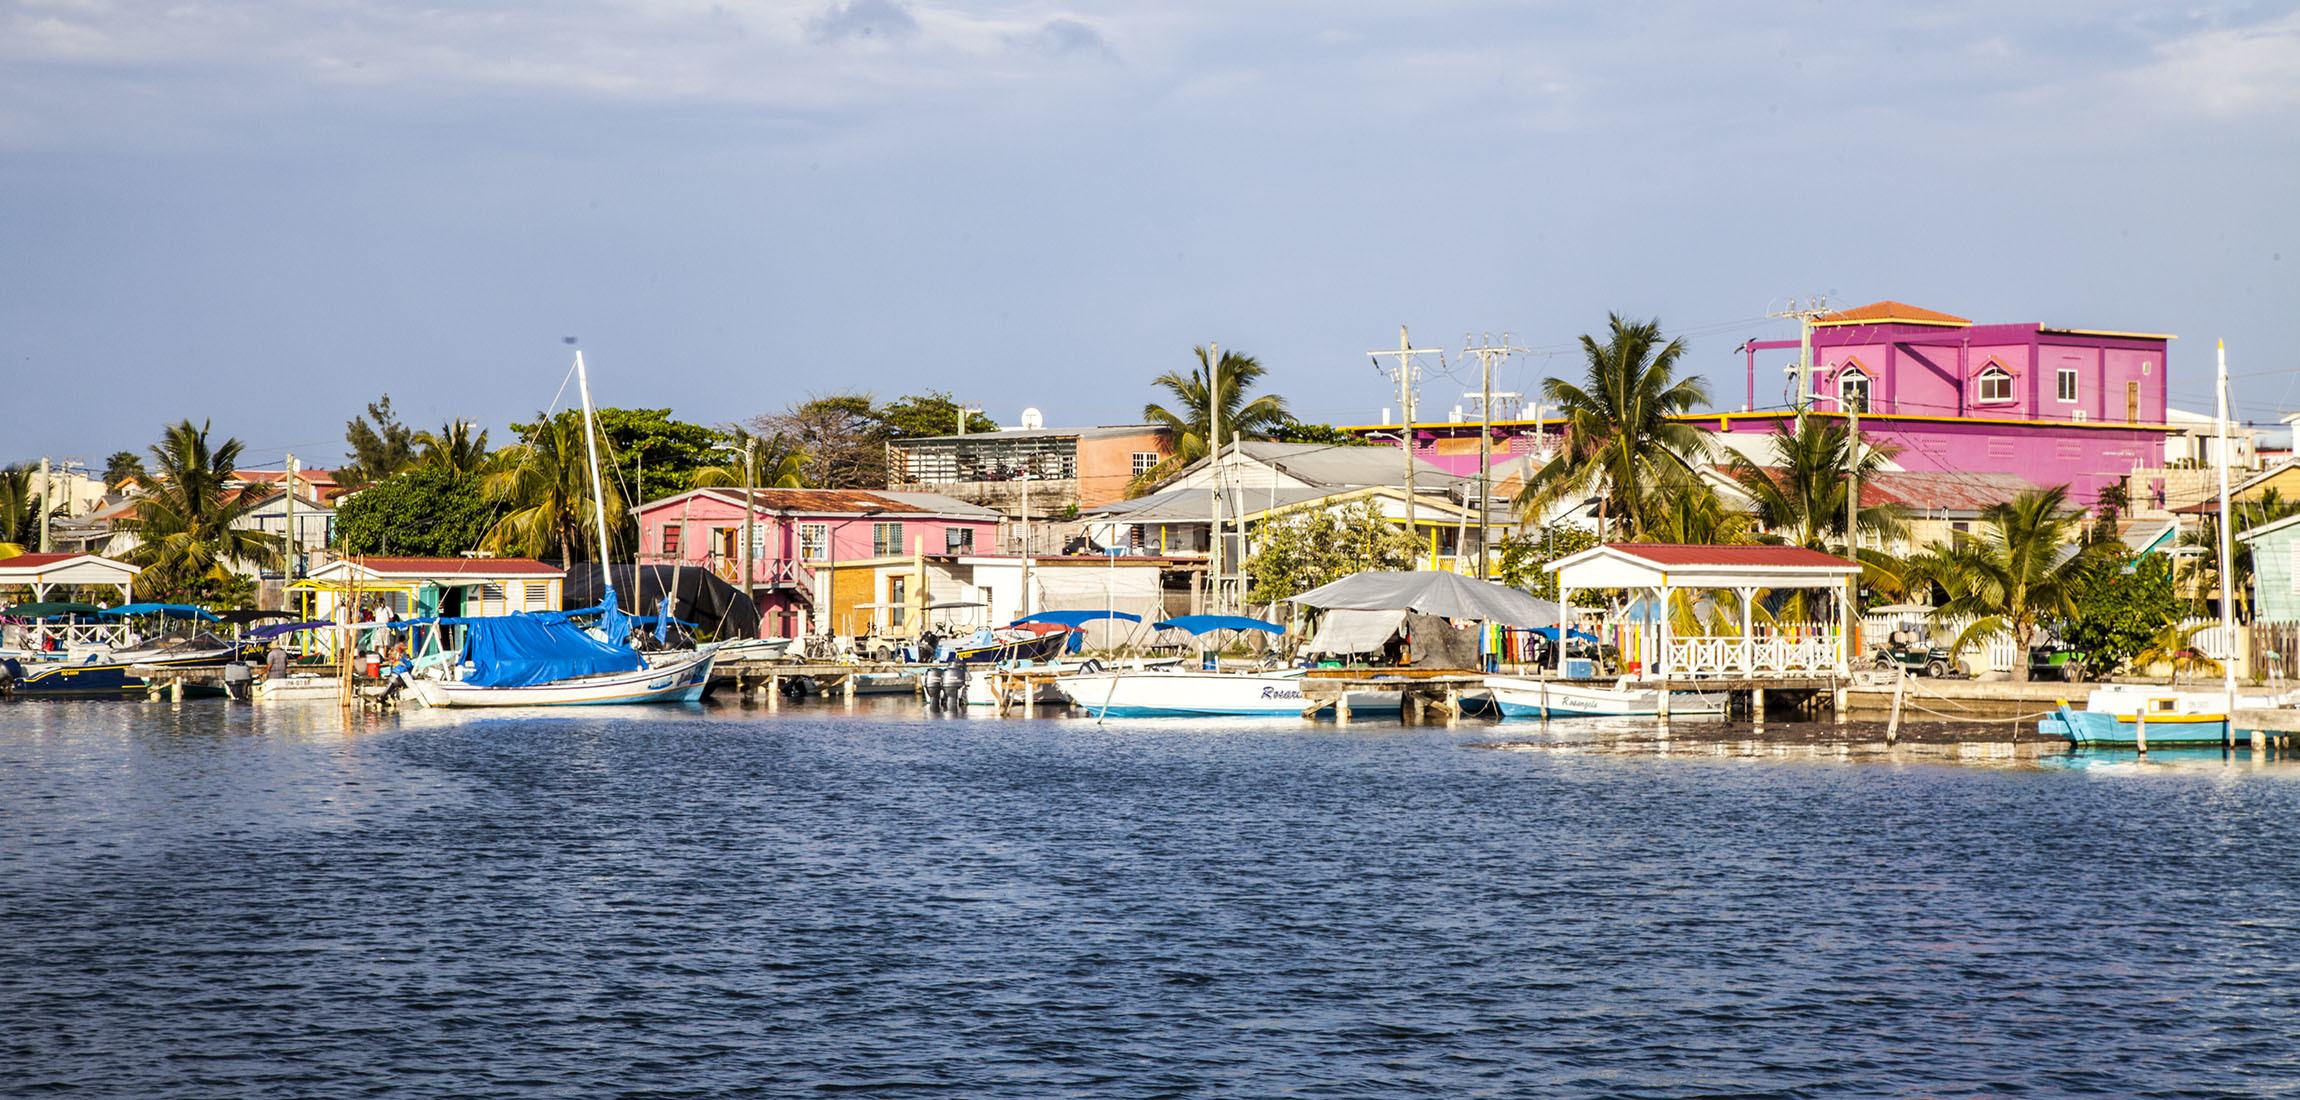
(522, 650)
(1202, 624)
(1077, 618)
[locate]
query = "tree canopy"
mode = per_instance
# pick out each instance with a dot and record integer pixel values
(188, 525)
(429, 510)
(1301, 548)
(934, 412)
(1621, 441)
(380, 445)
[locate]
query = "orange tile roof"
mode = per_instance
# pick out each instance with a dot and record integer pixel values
(35, 561)
(1890, 312)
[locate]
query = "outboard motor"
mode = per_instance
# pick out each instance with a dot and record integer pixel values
(239, 680)
(954, 685)
(931, 683)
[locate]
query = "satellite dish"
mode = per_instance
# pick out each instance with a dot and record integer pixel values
(1032, 420)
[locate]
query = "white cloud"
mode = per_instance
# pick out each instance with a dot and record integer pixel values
(2229, 71)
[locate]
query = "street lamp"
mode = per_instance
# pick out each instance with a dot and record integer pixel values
(831, 571)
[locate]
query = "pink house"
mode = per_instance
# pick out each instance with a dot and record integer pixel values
(797, 532)
(2081, 407)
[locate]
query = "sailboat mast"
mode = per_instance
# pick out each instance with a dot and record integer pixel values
(591, 454)
(2227, 554)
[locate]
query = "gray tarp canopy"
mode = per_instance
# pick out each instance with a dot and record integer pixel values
(1432, 592)
(1346, 632)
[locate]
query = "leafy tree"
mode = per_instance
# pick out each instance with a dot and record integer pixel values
(1191, 418)
(459, 446)
(1523, 555)
(20, 506)
(2116, 618)
(657, 452)
(1295, 431)
(841, 437)
(543, 486)
(775, 463)
(188, 524)
(380, 445)
(122, 467)
(934, 412)
(429, 510)
(1301, 548)
(1620, 442)
(2016, 572)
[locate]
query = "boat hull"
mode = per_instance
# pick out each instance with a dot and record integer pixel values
(2175, 717)
(110, 678)
(1183, 694)
(681, 682)
(1521, 698)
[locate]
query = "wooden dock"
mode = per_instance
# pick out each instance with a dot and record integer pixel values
(766, 680)
(1422, 693)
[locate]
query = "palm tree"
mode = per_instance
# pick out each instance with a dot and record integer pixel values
(19, 511)
(780, 464)
(459, 446)
(1621, 443)
(2023, 567)
(2176, 646)
(546, 481)
(1191, 418)
(2199, 549)
(188, 523)
(1800, 498)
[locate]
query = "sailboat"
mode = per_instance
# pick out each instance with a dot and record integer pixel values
(524, 660)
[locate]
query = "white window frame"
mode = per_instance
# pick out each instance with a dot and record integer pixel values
(814, 542)
(2065, 385)
(886, 539)
(1845, 380)
(1141, 467)
(1992, 373)
(958, 540)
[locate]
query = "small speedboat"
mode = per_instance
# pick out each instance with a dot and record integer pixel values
(1180, 693)
(754, 649)
(109, 674)
(1519, 697)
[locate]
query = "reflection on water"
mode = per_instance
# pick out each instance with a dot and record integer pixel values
(209, 900)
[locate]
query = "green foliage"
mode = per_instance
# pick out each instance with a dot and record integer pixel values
(1620, 442)
(458, 446)
(1800, 497)
(2015, 573)
(2200, 566)
(1295, 431)
(934, 412)
(122, 467)
(543, 486)
(380, 445)
(2117, 617)
(19, 510)
(187, 523)
(658, 452)
(1522, 556)
(2176, 648)
(1191, 418)
(430, 510)
(1301, 548)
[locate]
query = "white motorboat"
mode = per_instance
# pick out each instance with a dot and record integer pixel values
(1519, 697)
(755, 649)
(1163, 693)
(679, 680)
(298, 687)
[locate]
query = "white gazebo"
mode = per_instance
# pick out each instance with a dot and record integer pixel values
(44, 572)
(1660, 571)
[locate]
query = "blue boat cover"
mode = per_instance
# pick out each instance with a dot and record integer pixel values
(1076, 618)
(1550, 632)
(1201, 624)
(170, 610)
(278, 629)
(521, 650)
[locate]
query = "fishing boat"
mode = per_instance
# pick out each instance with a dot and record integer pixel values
(544, 659)
(2111, 716)
(1034, 642)
(1183, 693)
(1520, 697)
(101, 675)
(755, 649)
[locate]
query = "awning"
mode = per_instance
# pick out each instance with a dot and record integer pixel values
(279, 629)
(1346, 632)
(168, 610)
(1432, 593)
(1077, 618)
(52, 610)
(1207, 624)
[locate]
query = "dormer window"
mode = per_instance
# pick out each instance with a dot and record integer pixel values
(1853, 390)
(1994, 386)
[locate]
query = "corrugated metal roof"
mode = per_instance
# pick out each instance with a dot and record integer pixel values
(1104, 431)
(1346, 465)
(1663, 553)
(839, 502)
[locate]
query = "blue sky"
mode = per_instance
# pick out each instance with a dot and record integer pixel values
(268, 213)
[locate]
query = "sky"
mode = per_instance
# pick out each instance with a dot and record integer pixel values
(265, 214)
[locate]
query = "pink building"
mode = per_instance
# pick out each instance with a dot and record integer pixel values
(795, 533)
(2082, 407)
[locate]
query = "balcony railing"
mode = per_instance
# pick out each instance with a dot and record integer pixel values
(765, 572)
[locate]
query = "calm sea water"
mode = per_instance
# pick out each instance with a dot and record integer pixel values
(212, 900)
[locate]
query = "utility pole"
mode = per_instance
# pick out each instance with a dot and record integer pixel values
(47, 491)
(1027, 459)
(2227, 564)
(1805, 313)
(1852, 476)
(750, 516)
(1488, 353)
(965, 411)
(1214, 478)
(1406, 370)
(288, 552)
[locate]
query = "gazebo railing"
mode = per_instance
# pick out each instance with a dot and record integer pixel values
(1808, 647)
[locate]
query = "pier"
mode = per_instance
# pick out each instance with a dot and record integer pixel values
(1421, 693)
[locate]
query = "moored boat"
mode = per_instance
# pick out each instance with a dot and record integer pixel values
(2111, 716)
(1519, 697)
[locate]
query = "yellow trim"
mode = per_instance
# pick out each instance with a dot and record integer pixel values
(1776, 414)
(2109, 332)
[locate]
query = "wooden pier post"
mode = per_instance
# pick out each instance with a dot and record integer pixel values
(1893, 724)
(847, 689)
(175, 689)
(1342, 708)
(2140, 728)
(774, 691)
(1757, 706)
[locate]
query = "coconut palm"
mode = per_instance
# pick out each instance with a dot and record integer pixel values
(1191, 417)
(2023, 567)
(19, 510)
(778, 462)
(459, 446)
(2199, 549)
(1620, 442)
(546, 483)
(2175, 646)
(190, 523)
(1800, 497)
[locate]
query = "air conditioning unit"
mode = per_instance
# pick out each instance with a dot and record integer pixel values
(2077, 415)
